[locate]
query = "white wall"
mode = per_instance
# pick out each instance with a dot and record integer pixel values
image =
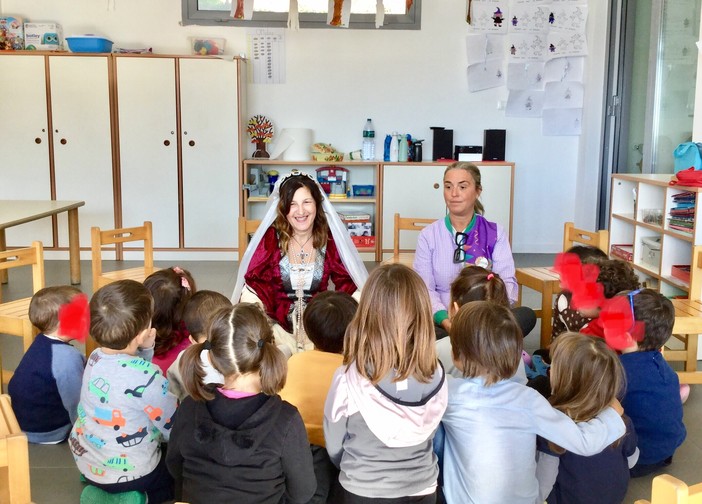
(405, 80)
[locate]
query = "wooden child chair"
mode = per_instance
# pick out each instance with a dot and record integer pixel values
(14, 457)
(14, 315)
(118, 237)
(666, 489)
(547, 282)
(405, 224)
(246, 229)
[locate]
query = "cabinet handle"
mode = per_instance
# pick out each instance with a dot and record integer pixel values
(37, 140)
(191, 143)
(436, 186)
(63, 141)
(166, 143)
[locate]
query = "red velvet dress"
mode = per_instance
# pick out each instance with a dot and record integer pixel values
(264, 277)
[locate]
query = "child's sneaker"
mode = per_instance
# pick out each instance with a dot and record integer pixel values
(684, 392)
(94, 495)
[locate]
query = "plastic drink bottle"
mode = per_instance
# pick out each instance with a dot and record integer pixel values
(368, 151)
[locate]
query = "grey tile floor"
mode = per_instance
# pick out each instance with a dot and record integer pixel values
(55, 479)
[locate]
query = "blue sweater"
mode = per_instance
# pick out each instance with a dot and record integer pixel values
(652, 401)
(45, 389)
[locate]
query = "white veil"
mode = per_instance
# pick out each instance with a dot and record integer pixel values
(347, 250)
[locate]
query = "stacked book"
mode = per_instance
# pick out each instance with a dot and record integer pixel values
(682, 215)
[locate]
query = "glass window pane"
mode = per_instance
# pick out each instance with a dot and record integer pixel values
(320, 6)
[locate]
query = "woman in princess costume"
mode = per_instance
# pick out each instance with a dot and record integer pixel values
(299, 248)
(463, 238)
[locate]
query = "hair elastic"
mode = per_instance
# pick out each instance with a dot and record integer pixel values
(490, 276)
(183, 280)
(260, 343)
(207, 345)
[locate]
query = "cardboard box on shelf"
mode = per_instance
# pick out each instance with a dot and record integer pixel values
(43, 37)
(11, 34)
(622, 251)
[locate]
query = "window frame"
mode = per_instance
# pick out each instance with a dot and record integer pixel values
(192, 16)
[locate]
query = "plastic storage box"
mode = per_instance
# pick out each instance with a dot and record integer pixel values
(89, 44)
(651, 251)
(363, 190)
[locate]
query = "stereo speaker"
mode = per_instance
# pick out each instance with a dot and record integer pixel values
(442, 147)
(494, 145)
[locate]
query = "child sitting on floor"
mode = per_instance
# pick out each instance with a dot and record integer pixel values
(386, 401)
(45, 388)
(488, 434)
(310, 373)
(586, 376)
(171, 289)
(239, 441)
(653, 393)
(125, 408)
(196, 316)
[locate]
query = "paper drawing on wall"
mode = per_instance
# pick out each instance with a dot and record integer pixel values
(484, 46)
(485, 75)
(528, 75)
(564, 95)
(497, 17)
(524, 103)
(561, 122)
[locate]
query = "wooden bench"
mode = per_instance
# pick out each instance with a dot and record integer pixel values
(666, 489)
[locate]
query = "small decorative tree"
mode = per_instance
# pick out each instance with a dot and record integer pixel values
(260, 129)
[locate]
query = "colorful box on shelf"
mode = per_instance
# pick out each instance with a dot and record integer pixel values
(363, 241)
(365, 191)
(681, 271)
(624, 252)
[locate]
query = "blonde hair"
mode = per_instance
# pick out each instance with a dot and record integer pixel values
(393, 327)
(486, 341)
(586, 375)
(474, 172)
(241, 341)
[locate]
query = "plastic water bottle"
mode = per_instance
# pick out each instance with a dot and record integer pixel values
(368, 141)
(394, 147)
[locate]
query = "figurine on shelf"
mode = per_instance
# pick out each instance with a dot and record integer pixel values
(260, 129)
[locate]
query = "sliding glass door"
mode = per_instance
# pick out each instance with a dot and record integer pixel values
(652, 70)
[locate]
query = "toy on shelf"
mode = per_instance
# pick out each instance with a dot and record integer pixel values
(333, 180)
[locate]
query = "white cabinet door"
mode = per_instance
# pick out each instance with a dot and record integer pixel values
(80, 108)
(210, 144)
(24, 141)
(148, 145)
(417, 191)
(411, 191)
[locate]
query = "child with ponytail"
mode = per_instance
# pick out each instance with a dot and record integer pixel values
(239, 439)
(171, 289)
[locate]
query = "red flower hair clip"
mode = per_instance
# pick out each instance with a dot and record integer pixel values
(581, 280)
(621, 329)
(74, 318)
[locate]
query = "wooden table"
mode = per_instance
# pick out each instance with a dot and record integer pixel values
(16, 212)
(545, 280)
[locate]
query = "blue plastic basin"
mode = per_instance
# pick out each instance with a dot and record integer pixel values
(88, 44)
